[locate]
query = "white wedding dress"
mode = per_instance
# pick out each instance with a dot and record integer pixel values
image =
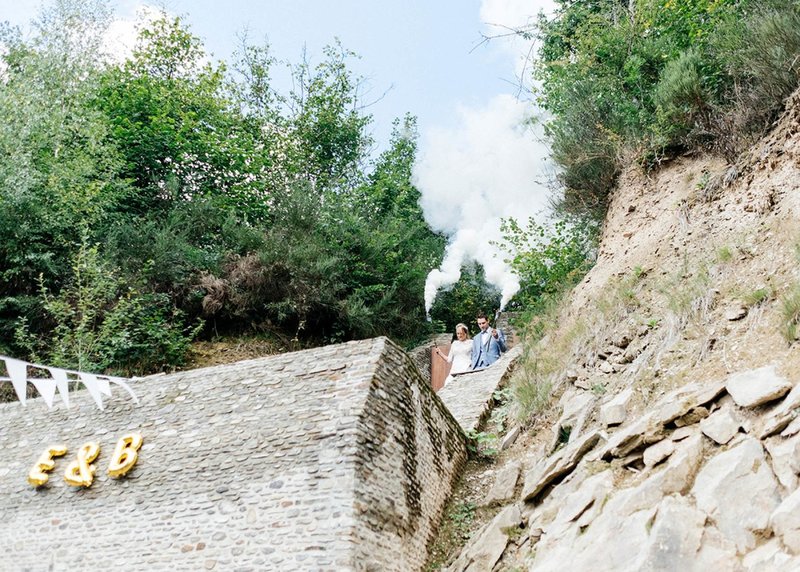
(460, 356)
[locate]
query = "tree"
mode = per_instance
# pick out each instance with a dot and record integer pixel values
(58, 166)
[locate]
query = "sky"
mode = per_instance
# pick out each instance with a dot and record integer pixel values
(477, 162)
(418, 56)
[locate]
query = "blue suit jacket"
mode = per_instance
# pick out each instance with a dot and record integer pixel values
(484, 355)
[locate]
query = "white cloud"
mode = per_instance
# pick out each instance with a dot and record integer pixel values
(501, 17)
(512, 13)
(120, 37)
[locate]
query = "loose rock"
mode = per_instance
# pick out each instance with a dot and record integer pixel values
(616, 411)
(720, 427)
(504, 484)
(561, 462)
(721, 485)
(488, 545)
(510, 437)
(757, 386)
(654, 454)
(785, 522)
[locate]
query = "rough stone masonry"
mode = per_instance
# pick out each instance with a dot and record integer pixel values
(337, 458)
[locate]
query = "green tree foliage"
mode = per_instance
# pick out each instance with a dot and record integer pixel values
(96, 323)
(209, 196)
(465, 299)
(648, 78)
(59, 173)
(549, 260)
(352, 265)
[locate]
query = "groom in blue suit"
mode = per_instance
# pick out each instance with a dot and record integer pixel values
(487, 345)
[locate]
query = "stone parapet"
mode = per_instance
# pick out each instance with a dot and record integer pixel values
(337, 458)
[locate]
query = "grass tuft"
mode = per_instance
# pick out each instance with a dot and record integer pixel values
(790, 313)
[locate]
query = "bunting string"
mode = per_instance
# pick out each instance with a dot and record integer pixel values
(97, 385)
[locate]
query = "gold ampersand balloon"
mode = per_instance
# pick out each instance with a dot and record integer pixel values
(125, 454)
(38, 475)
(80, 473)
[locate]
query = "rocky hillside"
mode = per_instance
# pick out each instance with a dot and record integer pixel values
(672, 440)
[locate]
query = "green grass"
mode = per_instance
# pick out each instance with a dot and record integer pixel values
(790, 313)
(724, 254)
(757, 297)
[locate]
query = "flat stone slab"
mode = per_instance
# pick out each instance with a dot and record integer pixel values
(654, 454)
(757, 386)
(721, 426)
(782, 415)
(785, 522)
(768, 557)
(616, 411)
(504, 484)
(652, 427)
(785, 456)
(593, 490)
(510, 437)
(557, 465)
(488, 545)
(468, 397)
(738, 490)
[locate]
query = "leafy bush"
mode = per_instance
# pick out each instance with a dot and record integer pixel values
(212, 193)
(548, 260)
(681, 97)
(648, 79)
(95, 324)
(760, 56)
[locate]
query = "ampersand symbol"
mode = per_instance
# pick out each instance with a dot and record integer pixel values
(80, 473)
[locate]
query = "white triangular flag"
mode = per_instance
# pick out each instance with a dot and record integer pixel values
(61, 382)
(90, 381)
(103, 385)
(121, 382)
(46, 388)
(18, 372)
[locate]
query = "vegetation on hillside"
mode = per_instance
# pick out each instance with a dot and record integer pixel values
(147, 202)
(647, 79)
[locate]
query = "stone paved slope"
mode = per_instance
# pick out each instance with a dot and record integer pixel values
(469, 396)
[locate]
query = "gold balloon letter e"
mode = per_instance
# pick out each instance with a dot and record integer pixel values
(80, 473)
(38, 475)
(125, 455)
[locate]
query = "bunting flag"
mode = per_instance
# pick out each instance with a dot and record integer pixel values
(97, 385)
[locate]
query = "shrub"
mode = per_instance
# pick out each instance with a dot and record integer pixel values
(651, 79)
(94, 324)
(681, 98)
(548, 260)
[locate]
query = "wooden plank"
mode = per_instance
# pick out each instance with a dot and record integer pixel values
(439, 367)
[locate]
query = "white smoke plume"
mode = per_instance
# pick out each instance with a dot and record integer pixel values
(493, 166)
(489, 168)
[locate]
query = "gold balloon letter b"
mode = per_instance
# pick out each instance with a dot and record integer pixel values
(125, 455)
(80, 473)
(38, 475)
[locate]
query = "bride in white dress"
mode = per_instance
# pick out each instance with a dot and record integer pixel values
(460, 353)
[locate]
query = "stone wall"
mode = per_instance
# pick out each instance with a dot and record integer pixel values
(338, 458)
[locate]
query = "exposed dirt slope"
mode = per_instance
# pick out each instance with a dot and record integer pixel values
(663, 452)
